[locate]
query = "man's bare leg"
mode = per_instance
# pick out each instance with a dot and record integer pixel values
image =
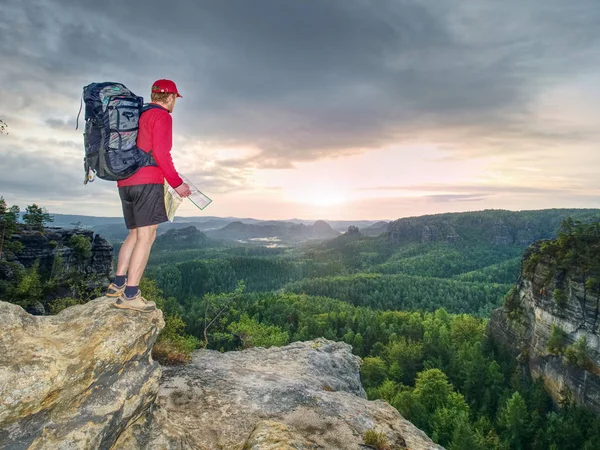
(141, 252)
(125, 252)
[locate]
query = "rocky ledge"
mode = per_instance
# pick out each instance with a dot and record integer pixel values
(85, 379)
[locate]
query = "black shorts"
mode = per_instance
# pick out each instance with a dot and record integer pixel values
(143, 205)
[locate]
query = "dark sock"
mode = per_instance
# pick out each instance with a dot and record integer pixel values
(130, 291)
(120, 280)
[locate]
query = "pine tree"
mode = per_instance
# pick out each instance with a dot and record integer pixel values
(8, 225)
(514, 419)
(36, 216)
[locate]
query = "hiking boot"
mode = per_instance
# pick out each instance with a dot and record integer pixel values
(137, 302)
(114, 290)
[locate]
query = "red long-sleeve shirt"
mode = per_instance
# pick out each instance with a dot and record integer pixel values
(155, 133)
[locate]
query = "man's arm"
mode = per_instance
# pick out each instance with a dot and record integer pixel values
(162, 141)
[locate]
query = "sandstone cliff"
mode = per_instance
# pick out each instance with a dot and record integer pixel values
(52, 242)
(85, 379)
(61, 259)
(546, 317)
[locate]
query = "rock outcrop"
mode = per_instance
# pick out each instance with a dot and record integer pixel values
(85, 379)
(305, 395)
(546, 302)
(75, 380)
(52, 242)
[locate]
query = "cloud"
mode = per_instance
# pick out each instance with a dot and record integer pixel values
(301, 81)
(498, 188)
(59, 124)
(456, 198)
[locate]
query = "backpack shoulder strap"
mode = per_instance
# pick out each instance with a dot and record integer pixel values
(149, 106)
(150, 161)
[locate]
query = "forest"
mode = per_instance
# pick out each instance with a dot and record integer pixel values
(415, 312)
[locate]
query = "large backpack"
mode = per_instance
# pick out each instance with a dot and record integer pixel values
(112, 114)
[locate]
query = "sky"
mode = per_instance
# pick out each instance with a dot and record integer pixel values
(316, 109)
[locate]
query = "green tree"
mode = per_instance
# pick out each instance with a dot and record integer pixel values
(513, 419)
(405, 359)
(215, 306)
(8, 226)
(82, 247)
(373, 371)
(464, 437)
(30, 287)
(439, 404)
(36, 216)
(254, 334)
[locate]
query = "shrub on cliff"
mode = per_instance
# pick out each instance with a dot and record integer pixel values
(81, 246)
(560, 297)
(556, 342)
(576, 354)
(254, 334)
(173, 346)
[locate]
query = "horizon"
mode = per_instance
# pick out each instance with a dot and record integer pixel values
(184, 218)
(322, 109)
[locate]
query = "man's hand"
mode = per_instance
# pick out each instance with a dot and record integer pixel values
(183, 190)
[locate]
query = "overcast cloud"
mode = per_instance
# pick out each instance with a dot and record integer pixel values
(299, 81)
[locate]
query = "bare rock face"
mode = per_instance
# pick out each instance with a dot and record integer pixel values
(306, 395)
(524, 327)
(75, 380)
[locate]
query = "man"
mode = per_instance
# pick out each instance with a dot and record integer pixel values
(142, 198)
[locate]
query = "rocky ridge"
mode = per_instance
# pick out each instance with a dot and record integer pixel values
(85, 379)
(496, 227)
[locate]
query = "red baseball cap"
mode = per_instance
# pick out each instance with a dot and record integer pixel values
(165, 86)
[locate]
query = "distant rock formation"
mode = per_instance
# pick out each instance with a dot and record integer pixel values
(61, 259)
(287, 232)
(85, 379)
(353, 230)
(46, 245)
(181, 238)
(376, 229)
(534, 311)
(499, 227)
